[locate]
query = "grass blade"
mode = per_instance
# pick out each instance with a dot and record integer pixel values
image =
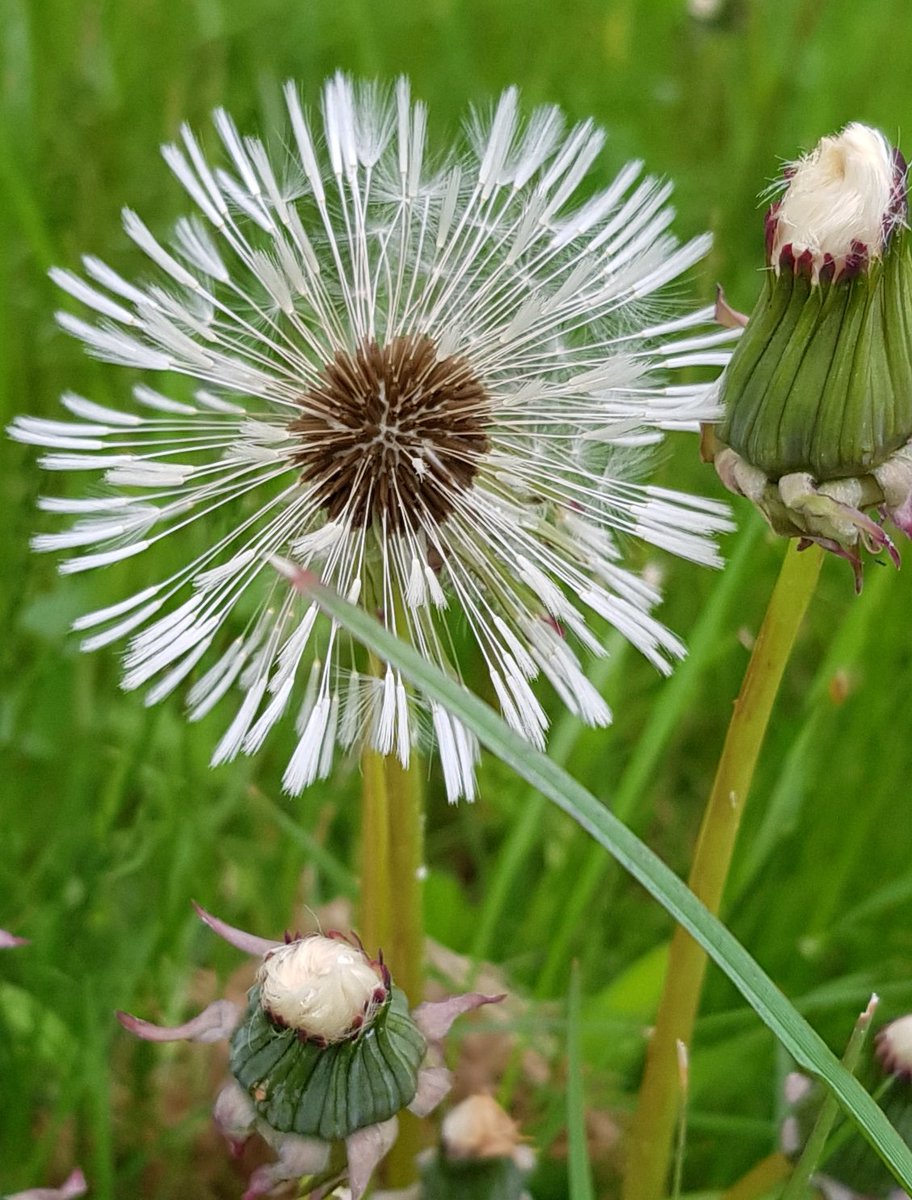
(578, 1166)
(802, 1042)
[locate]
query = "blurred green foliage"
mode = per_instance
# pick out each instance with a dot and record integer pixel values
(111, 818)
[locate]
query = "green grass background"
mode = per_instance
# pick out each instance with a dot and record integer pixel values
(110, 819)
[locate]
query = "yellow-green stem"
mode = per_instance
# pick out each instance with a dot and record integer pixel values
(761, 1179)
(653, 1126)
(375, 919)
(406, 857)
(392, 919)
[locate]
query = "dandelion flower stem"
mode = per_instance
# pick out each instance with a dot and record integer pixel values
(653, 1128)
(375, 923)
(760, 1179)
(392, 918)
(406, 853)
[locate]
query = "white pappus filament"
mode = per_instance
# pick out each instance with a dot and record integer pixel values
(431, 380)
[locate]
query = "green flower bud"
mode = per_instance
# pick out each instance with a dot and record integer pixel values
(325, 1052)
(817, 398)
(327, 1044)
(482, 1155)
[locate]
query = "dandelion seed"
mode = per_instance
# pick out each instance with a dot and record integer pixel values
(431, 381)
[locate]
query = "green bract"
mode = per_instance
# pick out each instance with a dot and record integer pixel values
(302, 1087)
(821, 380)
(484, 1179)
(817, 398)
(325, 1051)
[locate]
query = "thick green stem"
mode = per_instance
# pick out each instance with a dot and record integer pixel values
(653, 1127)
(406, 858)
(375, 920)
(760, 1179)
(392, 918)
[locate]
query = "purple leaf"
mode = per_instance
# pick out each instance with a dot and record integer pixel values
(435, 1018)
(365, 1148)
(433, 1085)
(262, 1181)
(74, 1185)
(8, 940)
(248, 942)
(213, 1024)
(234, 1116)
(298, 1156)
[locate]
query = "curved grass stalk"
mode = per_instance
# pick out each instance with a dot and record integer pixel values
(627, 800)
(802, 1042)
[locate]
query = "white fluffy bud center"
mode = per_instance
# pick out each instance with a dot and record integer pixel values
(321, 986)
(479, 1128)
(839, 194)
(894, 1045)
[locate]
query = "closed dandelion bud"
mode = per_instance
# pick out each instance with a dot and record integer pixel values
(325, 1052)
(327, 1044)
(818, 396)
(479, 1128)
(482, 1155)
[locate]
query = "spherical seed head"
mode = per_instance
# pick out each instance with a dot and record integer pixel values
(324, 988)
(894, 1047)
(429, 379)
(842, 203)
(392, 433)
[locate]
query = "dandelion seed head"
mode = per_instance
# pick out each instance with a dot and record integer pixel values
(433, 379)
(391, 433)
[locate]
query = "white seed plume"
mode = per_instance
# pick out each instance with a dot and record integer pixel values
(838, 195)
(319, 985)
(431, 381)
